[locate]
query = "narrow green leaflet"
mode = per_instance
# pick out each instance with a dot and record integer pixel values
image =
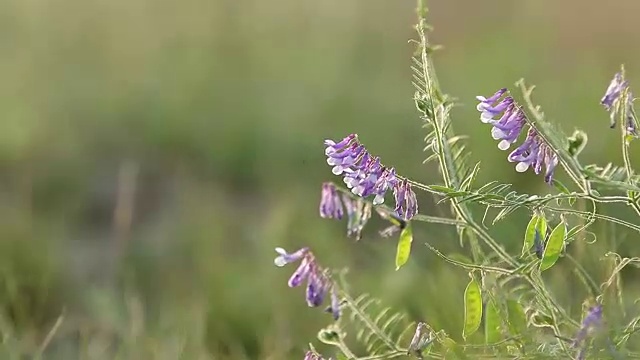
(560, 186)
(554, 247)
(536, 222)
(442, 189)
(492, 323)
(404, 246)
(472, 308)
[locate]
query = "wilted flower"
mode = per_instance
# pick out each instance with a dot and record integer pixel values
(534, 152)
(358, 214)
(334, 308)
(365, 175)
(422, 337)
(591, 321)
(318, 281)
(358, 210)
(406, 202)
(397, 223)
(538, 244)
(618, 98)
(631, 125)
(616, 86)
(330, 204)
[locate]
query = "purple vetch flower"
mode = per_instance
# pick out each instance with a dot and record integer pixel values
(317, 286)
(364, 174)
(591, 321)
(535, 153)
(343, 154)
(330, 204)
(318, 281)
(509, 126)
(285, 258)
(486, 104)
(616, 86)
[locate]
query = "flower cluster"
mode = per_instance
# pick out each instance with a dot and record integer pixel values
(365, 175)
(614, 102)
(534, 152)
(591, 321)
(319, 284)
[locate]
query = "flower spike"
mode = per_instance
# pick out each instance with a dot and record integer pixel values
(618, 99)
(319, 283)
(366, 176)
(533, 152)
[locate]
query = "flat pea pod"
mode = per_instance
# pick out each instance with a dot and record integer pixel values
(554, 247)
(492, 323)
(472, 308)
(404, 246)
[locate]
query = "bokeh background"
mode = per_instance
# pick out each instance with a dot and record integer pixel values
(154, 152)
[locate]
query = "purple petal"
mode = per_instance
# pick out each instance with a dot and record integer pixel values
(285, 258)
(301, 273)
(330, 204)
(316, 289)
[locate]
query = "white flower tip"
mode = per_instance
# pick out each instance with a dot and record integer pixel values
(378, 200)
(280, 261)
(497, 134)
(486, 117)
(504, 145)
(522, 167)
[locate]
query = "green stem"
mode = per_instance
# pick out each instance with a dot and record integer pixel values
(340, 344)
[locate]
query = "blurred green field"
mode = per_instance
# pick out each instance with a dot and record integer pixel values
(154, 152)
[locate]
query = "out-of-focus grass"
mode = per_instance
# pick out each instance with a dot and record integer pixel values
(222, 107)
